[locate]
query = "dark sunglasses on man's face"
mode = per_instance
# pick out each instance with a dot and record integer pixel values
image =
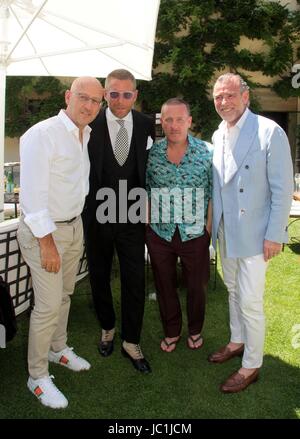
(117, 94)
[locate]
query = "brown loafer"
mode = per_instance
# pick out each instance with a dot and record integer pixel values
(225, 354)
(237, 382)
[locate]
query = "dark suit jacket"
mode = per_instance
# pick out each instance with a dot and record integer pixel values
(143, 127)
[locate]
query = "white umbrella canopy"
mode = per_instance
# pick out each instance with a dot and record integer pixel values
(73, 38)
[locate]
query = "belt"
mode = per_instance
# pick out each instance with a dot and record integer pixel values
(67, 221)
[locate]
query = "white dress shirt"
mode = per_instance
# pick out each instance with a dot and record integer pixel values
(230, 136)
(54, 173)
(113, 126)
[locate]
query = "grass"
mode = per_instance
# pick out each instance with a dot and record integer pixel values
(183, 384)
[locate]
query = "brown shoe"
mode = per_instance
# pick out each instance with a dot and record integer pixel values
(224, 354)
(237, 382)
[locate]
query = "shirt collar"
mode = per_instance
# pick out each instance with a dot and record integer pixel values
(69, 124)
(111, 117)
(242, 119)
(164, 143)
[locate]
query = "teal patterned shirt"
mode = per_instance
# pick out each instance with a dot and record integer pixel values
(179, 194)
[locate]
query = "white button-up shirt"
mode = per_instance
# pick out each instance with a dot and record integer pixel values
(54, 178)
(230, 136)
(113, 126)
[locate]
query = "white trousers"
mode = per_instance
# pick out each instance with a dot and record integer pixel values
(245, 281)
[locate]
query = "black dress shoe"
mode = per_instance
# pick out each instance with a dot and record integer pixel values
(106, 348)
(141, 365)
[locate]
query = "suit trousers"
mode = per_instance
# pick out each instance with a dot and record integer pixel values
(245, 282)
(194, 257)
(129, 242)
(52, 291)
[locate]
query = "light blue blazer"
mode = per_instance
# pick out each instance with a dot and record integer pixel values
(257, 197)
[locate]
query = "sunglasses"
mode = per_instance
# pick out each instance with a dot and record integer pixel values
(117, 94)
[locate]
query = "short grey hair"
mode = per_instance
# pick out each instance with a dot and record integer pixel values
(232, 76)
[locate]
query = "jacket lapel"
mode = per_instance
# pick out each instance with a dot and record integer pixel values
(96, 146)
(243, 145)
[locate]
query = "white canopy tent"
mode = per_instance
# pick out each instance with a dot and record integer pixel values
(73, 38)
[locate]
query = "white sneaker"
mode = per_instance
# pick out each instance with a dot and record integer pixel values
(69, 359)
(47, 392)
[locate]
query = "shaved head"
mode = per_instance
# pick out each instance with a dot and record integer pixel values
(85, 81)
(84, 100)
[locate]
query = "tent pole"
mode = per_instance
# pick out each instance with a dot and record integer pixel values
(2, 134)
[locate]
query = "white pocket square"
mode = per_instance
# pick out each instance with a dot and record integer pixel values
(149, 142)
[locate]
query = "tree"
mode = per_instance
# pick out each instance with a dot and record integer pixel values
(30, 100)
(197, 39)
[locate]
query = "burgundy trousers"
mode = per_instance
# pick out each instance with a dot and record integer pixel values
(194, 257)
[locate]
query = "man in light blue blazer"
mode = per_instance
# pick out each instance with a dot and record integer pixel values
(252, 195)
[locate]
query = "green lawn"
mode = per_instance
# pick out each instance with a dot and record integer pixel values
(183, 384)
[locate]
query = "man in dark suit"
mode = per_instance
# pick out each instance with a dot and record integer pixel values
(118, 151)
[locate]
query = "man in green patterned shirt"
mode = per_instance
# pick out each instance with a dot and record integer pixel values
(179, 185)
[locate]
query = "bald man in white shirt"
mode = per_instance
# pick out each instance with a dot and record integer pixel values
(54, 183)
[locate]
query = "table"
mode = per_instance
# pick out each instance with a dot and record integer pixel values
(295, 213)
(295, 209)
(12, 198)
